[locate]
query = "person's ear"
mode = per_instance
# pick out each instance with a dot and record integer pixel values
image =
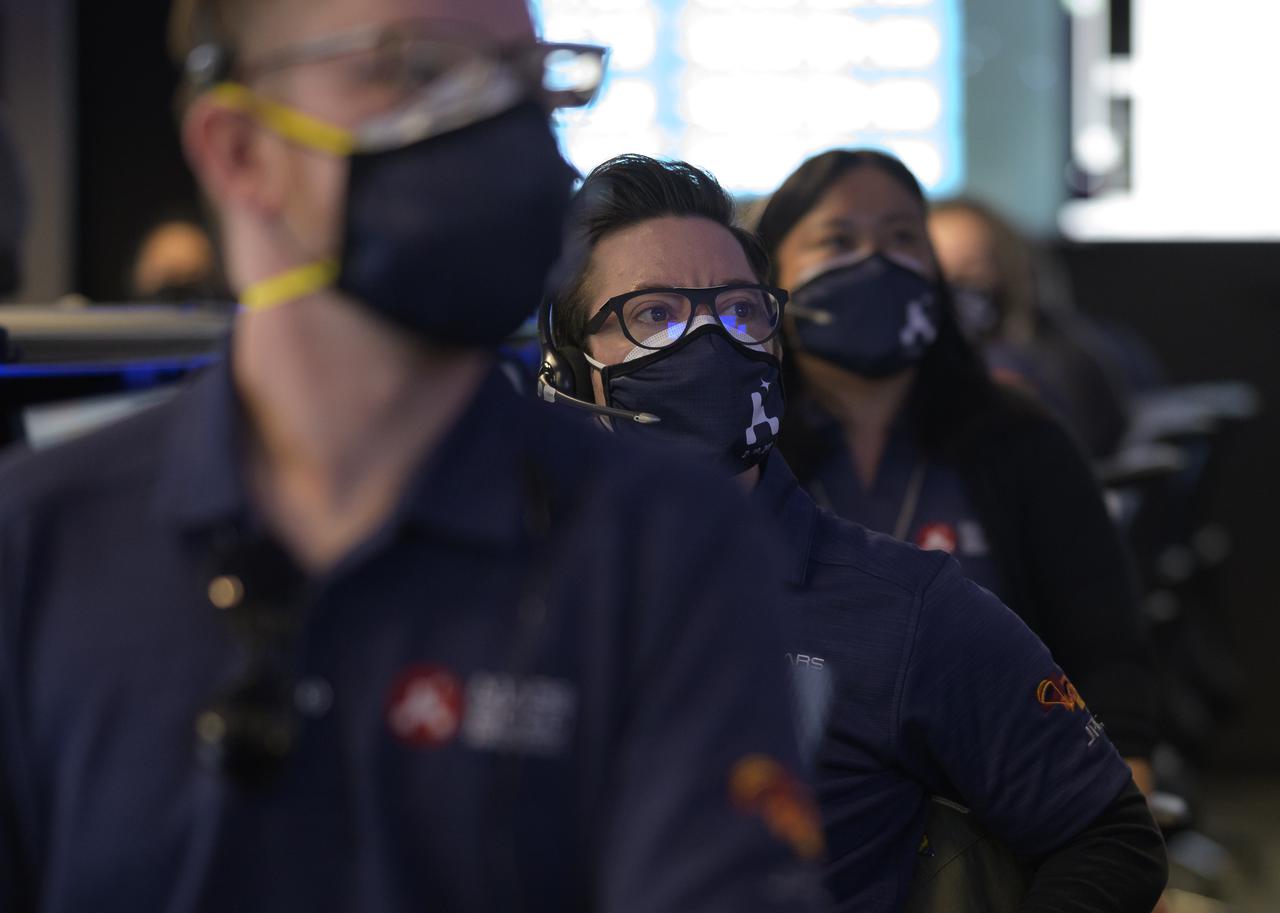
(237, 162)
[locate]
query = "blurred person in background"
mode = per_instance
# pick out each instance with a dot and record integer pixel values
(347, 624)
(991, 269)
(935, 688)
(176, 262)
(898, 425)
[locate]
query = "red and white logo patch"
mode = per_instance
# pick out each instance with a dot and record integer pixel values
(938, 537)
(425, 706)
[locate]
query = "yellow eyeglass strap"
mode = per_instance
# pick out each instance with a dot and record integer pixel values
(291, 124)
(290, 285)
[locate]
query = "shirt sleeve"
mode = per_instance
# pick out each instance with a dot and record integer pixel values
(1115, 865)
(708, 812)
(1084, 588)
(987, 716)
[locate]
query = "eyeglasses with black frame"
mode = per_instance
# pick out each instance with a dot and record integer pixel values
(655, 318)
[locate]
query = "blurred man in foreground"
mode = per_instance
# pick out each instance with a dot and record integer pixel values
(347, 625)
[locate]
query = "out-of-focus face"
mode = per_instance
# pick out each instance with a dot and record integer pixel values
(302, 188)
(670, 252)
(864, 212)
(174, 254)
(965, 249)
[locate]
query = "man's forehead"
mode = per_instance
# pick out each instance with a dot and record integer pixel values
(282, 23)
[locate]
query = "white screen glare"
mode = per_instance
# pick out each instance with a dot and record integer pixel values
(1200, 84)
(748, 89)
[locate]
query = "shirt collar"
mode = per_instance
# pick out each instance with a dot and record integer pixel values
(201, 479)
(475, 486)
(471, 487)
(792, 512)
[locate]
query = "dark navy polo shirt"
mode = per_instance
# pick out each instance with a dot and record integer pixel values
(941, 518)
(547, 683)
(935, 689)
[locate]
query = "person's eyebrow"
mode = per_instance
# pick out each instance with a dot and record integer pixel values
(662, 286)
(894, 215)
(648, 284)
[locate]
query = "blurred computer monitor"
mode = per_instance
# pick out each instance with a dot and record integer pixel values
(68, 371)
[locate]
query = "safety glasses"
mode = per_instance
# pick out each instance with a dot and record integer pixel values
(442, 84)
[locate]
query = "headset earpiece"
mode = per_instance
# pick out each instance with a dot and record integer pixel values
(565, 375)
(576, 373)
(566, 370)
(559, 368)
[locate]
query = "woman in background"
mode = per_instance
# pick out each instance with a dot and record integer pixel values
(897, 425)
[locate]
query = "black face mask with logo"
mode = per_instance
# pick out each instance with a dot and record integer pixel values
(714, 395)
(874, 317)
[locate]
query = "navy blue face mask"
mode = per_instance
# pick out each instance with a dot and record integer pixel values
(453, 236)
(873, 317)
(714, 395)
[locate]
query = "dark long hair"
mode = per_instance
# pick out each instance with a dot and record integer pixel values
(952, 388)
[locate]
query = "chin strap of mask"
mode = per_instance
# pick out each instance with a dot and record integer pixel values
(290, 285)
(308, 132)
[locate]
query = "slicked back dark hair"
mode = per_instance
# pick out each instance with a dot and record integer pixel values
(953, 388)
(626, 191)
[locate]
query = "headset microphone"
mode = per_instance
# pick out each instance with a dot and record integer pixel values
(565, 373)
(551, 395)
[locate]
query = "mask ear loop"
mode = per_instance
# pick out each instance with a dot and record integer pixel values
(290, 285)
(294, 125)
(308, 132)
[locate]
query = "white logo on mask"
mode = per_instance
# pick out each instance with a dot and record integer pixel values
(759, 418)
(919, 329)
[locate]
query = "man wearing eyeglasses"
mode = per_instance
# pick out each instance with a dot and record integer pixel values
(346, 625)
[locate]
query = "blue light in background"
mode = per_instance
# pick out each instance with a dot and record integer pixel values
(750, 88)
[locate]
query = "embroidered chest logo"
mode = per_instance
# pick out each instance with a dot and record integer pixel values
(938, 537)
(428, 707)
(964, 538)
(806, 660)
(523, 715)
(425, 706)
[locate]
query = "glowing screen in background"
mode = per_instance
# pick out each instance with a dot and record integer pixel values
(748, 89)
(1181, 134)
